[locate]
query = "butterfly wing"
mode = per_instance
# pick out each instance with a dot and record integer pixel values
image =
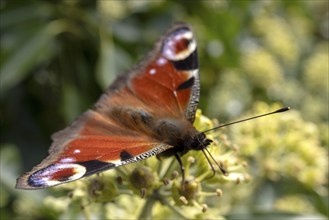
(93, 143)
(117, 130)
(168, 79)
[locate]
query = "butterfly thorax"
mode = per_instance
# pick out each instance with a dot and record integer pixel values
(174, 131)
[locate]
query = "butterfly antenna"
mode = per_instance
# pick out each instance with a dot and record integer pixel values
(247, 119)
(205, 151)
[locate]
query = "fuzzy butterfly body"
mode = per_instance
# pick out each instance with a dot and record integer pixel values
(147, 111)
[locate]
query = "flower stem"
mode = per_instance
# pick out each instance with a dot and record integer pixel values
(146, 212)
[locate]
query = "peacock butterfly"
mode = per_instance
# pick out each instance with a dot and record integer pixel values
(147, 111)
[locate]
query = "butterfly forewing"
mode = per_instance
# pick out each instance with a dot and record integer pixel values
(122, 126)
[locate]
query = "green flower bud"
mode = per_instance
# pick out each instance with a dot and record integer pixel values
(142, 178)
(102, 189)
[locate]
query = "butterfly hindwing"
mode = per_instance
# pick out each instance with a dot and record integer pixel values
(123, 125)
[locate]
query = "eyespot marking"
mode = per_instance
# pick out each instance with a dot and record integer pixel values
(55, 174)
(179, 45)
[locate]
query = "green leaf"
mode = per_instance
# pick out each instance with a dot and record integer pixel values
(36, 50)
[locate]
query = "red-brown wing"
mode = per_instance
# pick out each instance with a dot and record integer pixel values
(167, 81)
(93, 143)
(118, 130)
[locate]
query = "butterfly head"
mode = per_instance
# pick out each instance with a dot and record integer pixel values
(199, 141)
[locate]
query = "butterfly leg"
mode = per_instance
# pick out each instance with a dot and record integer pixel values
(182, 169)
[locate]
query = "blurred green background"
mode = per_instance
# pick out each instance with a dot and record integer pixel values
(58, 56)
